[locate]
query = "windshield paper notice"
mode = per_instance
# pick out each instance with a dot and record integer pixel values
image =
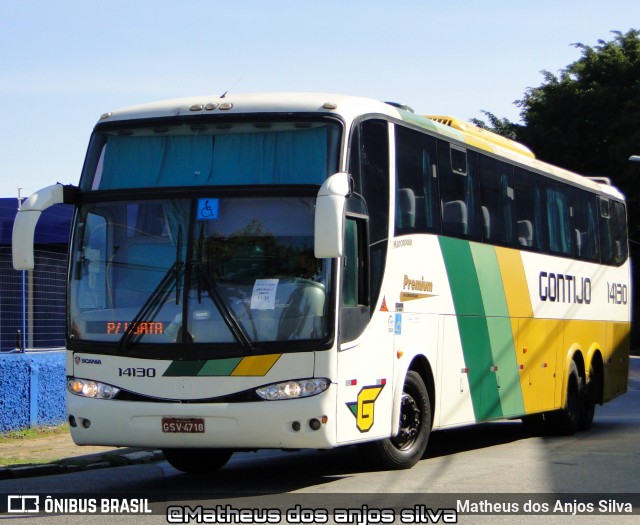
(264, 294)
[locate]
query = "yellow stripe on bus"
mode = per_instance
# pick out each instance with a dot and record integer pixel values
(257, 365)
(515, 283)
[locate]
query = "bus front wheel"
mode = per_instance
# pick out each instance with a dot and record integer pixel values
(406, 448)
(197, 460)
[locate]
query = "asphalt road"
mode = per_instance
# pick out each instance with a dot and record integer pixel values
(492, 464)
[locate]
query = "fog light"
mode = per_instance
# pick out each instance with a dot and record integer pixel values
(295, 426)
(315, 424)
(72, 421)
(86, 423)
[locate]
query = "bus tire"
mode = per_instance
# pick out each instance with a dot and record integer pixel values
(405, 450)
(589, 399)
(566, 420)
(197, 460)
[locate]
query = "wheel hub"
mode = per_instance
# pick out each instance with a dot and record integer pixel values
(409, 422)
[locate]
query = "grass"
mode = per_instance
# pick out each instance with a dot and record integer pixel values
(14, 461)
(21, 448)
(18, 445)
(33, 433)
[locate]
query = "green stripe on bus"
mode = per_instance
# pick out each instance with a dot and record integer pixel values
(473, 327)
(507, 371)
(489, 280)
(463, 279)
(219, 367)
(184, 368)
(212, 367)
(499, 327)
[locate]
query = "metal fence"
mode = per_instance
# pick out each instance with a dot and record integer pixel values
(33, 303)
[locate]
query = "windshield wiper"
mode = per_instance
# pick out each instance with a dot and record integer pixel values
(157, 298)
(211, 288)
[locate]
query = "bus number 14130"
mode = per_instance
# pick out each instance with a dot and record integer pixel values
(617, 293)
(137, 372)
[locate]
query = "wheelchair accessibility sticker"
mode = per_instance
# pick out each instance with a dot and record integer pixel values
(207, 209)
(398, 324)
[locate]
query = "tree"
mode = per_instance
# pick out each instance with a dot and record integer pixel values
(587, 119)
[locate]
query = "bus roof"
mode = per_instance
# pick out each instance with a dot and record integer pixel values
(321, 103)
(349, 108)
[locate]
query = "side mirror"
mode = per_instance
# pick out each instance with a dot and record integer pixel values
(330, 216)
(24, 226)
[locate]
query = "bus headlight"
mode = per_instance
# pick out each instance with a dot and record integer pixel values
(293, 389)
(93, 389)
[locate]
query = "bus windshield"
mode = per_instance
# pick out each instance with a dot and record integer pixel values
(234, 271)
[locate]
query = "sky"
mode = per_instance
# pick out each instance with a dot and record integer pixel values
(63, 63)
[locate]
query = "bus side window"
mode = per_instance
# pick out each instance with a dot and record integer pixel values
(417, 207)
(459, 193)
(530, 210)
(369, 167)
(584, 225)
(620, 232)
(606, 239)
(561, 240)
(613, 232)
(497, 200)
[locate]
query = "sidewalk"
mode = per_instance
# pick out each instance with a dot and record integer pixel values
(58, 454)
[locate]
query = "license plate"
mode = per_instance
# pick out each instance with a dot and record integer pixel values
(183, 425)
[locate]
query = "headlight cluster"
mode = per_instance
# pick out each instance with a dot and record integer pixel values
(93, 389)
(293, 389)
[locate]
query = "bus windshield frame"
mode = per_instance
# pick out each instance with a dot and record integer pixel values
(235, 260)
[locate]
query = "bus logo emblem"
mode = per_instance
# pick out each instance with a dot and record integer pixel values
(363, 408)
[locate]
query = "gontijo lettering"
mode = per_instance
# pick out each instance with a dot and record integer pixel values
(564, 288)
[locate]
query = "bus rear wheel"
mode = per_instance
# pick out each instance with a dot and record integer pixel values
(406, 448)
(566, 420)
(592, 396)
(197, 460)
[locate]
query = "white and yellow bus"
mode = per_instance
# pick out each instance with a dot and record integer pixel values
(311, 271)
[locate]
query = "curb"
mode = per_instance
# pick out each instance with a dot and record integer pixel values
(77, 464)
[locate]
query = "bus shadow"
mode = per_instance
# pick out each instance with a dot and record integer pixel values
(265, 472)
(462, 439)
(277, 472)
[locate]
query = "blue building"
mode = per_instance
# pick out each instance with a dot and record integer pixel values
(32, 303)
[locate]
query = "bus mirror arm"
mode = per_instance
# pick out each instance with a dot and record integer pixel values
(24, 226)
(330, 216)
